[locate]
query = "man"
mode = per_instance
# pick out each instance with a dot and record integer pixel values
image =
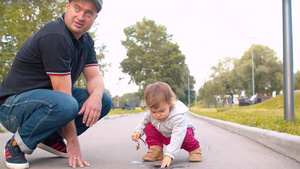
(243, 93)
(252, 99)
(38, 101)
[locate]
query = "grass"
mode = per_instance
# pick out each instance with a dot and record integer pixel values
(120, 111)
(266, 115)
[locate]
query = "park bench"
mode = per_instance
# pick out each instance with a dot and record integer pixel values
(244, 101)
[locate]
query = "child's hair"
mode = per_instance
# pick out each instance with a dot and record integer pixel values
(157, 93)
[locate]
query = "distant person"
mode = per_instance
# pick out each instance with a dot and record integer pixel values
(274, 93)
(266, 96)
(166, 118)
(231, 95)
(252, 99)
(38, 102)
(281, 92)
(243, 93)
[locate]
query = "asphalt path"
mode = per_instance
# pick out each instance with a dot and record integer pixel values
(108, 145)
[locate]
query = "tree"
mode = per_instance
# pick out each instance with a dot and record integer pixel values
(268, 70)
(19, 19)
(219, 83)
(151, 57)
(211, 90)
(297, 80)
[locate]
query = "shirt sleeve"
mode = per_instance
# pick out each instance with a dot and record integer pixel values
(92, 57)
(56, 54)
(177, 136)
(141, 126)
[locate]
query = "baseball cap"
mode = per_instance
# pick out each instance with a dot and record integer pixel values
(98, 4)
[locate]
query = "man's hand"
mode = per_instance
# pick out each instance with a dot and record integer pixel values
(95, 87)
(73, 150)
(166, 162)
(91, 109)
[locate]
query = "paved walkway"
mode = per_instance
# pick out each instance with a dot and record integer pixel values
(108, 145)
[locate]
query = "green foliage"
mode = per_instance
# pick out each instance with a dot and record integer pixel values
(268, 70)
(127, 98)
(151, 57)
(117, 112)
(297, 80)
(266, 115)
(219, 82)
(19, 19)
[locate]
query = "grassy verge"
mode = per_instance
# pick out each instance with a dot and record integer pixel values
(120, 111)
(267, 115)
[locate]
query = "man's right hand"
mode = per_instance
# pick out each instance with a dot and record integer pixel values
(74, 153)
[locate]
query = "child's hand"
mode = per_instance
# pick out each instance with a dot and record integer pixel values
(135, 136)
(166, 162)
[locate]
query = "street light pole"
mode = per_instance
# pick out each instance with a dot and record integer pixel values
(252, 71)
(189, 101)
(288, 74)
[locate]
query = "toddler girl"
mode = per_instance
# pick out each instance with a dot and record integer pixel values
(165, 123)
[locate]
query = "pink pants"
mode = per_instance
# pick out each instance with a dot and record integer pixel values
(154, 137)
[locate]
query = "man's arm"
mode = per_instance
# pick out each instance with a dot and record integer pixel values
(64, 84)
(95, 87)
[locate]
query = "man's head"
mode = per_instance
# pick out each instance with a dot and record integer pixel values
(98, 4)
(80, 16)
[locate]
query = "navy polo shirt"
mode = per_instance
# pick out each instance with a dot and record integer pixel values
(53, 50)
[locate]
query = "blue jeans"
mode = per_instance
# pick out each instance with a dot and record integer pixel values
(34, 115)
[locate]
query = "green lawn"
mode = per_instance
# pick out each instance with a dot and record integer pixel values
(267, 115)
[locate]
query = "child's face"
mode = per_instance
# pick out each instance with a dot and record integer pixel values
(162, 112)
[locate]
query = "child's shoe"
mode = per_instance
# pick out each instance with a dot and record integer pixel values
(154, 153)
(195, 155)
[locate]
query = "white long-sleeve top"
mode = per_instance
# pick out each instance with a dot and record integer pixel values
(174, 126)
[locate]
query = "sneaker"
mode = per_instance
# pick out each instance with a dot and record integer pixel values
(54, 144)
(14, 157)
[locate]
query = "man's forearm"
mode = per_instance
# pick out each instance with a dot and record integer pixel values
(70, 132)
(95, 86)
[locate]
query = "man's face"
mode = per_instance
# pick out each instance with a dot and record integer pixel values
(80, 16)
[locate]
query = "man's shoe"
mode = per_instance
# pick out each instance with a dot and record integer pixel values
(14, 157)
(54, 144)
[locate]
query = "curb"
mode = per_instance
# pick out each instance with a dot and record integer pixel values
(286, 144)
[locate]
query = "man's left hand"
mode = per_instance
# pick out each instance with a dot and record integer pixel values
(92, 110)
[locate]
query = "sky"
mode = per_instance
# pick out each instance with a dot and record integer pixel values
(205, 30)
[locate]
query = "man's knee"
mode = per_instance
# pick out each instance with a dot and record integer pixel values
(66, 108)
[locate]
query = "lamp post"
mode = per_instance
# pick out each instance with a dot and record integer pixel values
(252, 71)
(253, 90)
(188, 79)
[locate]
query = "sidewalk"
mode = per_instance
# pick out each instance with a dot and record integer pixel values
(108, 145)
(283, 143)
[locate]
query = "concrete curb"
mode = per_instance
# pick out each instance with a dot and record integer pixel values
(283, 143)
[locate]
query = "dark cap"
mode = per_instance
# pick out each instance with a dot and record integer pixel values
(98, 4)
